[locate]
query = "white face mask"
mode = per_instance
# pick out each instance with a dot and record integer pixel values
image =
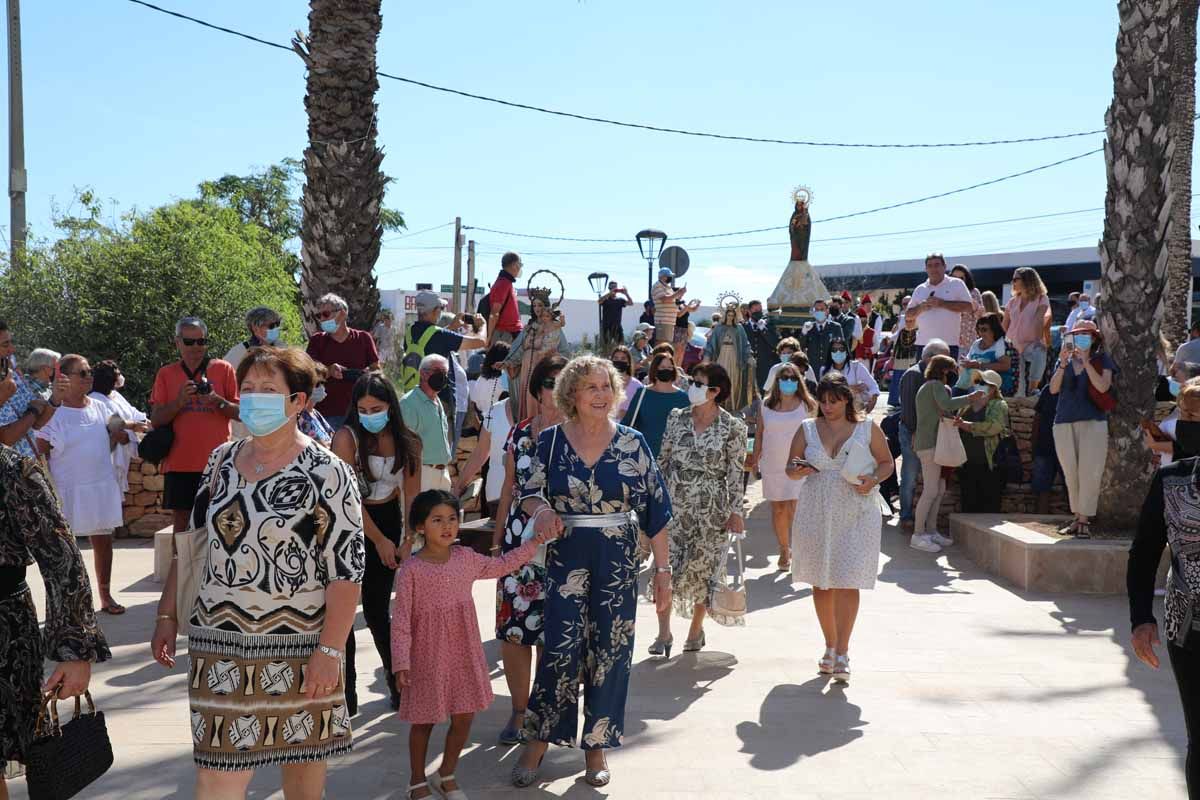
(319, 394)
(697, 395)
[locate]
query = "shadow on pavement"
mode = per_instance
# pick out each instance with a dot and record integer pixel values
(798, 721)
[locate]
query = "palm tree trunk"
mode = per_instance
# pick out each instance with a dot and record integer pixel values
(1133, 253)
(340, 233)
(1179, 236)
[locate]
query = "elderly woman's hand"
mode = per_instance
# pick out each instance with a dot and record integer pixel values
(69, 679)
(662, 591)
(735, 523)
(1145, 636)
(323, 674)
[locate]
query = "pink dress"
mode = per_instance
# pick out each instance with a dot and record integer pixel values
(435, 633)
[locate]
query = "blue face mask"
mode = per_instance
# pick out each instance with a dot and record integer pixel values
(1084, 305)
(263, 413)
(1173, 386)
(838, 356)
(376, 422)
(1083, 341)
(819, 316)
(273, 335)
(329, 325)
(789, 386)
(503, 381)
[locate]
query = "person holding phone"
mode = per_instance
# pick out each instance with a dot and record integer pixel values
(836, 534)
(1081, 426)
(346, 353)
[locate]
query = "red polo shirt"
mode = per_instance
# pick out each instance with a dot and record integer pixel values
(503, 298)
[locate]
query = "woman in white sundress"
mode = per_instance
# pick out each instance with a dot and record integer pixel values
(835, 539)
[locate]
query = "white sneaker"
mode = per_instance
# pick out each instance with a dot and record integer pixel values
(937, 538)
(922, 541)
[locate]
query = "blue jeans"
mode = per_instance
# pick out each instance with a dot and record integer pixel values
(1032, 367)
(894, 388)
(910, 468)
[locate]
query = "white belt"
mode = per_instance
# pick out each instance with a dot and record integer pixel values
(598, 520)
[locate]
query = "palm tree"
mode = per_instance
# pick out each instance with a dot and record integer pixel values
(1179, 238)
(340, 232)
(1138, 155)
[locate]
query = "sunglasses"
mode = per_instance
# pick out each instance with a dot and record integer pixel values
(698, 384)
(326, 315)
(201, 342)
(273, 326)
(84, 374)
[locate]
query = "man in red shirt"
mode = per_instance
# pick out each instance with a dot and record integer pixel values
(347, 353)
(197, 396)
(504, 319)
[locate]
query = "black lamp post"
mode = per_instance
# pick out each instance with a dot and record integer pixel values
(650, 245)
(599, 282)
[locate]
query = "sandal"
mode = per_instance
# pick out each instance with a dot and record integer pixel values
(437, 782)
(825, 665)
(512, 734)
(526, 776)
(416, 786)
(114, 608)
(598, 777)
(1069, 528)
(1083, 530)
(785, 561)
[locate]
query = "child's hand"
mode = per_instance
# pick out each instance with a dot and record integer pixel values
(402, 679)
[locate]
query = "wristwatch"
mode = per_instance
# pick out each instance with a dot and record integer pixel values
(330, 651)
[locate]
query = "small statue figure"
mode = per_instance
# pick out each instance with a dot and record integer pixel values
(542, 336)
(800, 227)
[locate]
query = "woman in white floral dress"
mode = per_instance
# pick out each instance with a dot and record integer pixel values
(702, 458)
(835, 540)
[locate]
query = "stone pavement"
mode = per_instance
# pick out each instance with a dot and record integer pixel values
(962, 688)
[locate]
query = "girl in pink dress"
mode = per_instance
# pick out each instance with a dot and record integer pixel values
(437, 653)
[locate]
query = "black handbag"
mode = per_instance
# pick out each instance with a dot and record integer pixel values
(1007, 461)
(156, 444)
(64, 759)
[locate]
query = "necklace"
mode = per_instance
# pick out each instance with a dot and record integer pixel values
(261, 466)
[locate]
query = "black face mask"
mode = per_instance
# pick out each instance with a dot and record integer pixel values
(622, 366)
(666, 375)
(756, 315)
(1187, 439)
(437, 381)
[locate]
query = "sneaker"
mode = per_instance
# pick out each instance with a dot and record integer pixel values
(921, 541)
(937, 538)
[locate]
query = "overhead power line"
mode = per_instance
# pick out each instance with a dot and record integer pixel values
(637, 125)
(418, 233)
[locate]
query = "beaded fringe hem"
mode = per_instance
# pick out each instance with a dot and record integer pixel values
(239, 762)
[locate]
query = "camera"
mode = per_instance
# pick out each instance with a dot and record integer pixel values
(203, 386)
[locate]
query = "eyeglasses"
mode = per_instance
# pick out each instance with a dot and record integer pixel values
(201, 342)
(326, 314)
(83, 374)
(273, 326)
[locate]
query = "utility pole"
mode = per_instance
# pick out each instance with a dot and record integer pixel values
(470, 309)
(456, 294)
(17, 180)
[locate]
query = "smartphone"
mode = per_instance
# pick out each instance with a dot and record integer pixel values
(801, 463)
(352, 374)
(1069, 342)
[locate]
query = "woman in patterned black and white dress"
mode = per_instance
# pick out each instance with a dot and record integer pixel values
(835, 539)
(277, 595)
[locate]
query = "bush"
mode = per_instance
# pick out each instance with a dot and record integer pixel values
(116, 292)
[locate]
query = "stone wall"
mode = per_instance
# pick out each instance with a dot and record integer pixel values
(143, 509)
(1020, 498)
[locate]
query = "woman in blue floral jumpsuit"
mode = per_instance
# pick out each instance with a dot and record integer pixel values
(591, 573)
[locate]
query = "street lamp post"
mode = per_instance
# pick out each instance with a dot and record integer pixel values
(599, 282)
(650, 245)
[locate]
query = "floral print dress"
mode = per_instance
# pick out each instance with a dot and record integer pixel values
(591, 584)
(520, 595)
(704, 477)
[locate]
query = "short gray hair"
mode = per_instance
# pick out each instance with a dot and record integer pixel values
(934, 347)
(434, 360)
(40, 358)
(335, 300)
(445, 320)
(189, 322)
(261, 315)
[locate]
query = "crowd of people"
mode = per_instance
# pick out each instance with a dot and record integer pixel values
(317, 483)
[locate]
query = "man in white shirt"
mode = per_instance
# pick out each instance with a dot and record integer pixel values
(937, 305)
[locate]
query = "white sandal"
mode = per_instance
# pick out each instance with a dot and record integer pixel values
(414, 787)
(841, 669)
(437, 779)
(825, 665)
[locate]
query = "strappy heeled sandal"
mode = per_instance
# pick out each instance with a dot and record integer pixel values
(523, 776)
(598, 777)
(825, 665)
(437, 781)
(662, 647)
(414, 787)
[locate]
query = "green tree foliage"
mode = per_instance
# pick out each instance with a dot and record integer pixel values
(116, 291)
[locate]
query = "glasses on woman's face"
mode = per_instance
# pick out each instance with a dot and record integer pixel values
(82, 374)
(697, 383)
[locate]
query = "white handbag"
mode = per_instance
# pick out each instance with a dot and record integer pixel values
(727, 601)
(191, 559)
(859, 461)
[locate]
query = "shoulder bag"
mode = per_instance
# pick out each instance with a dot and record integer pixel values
(63, 760)
(726, 600)
(637, 407)
(1105, 401)
(191, 557)
(859, 460)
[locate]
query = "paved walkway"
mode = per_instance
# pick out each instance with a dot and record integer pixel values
(963, 688)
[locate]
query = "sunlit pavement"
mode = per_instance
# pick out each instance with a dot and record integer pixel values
(962, 687)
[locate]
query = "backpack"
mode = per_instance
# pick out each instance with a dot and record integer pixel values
(484, 307)
(410, 365)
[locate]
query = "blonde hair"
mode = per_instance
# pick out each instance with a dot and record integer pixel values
(991, 303)
(575, 371)
(1031, 281)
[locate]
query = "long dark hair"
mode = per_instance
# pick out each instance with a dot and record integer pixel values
(495, 354)
(833, 384)
(967, 277)
(408, 444)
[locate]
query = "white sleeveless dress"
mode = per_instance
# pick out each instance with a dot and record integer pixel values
(779, 428)
(836, 532)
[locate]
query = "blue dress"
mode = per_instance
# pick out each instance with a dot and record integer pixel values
(591, 584)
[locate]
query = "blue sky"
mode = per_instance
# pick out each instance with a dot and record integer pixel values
(141, 107)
